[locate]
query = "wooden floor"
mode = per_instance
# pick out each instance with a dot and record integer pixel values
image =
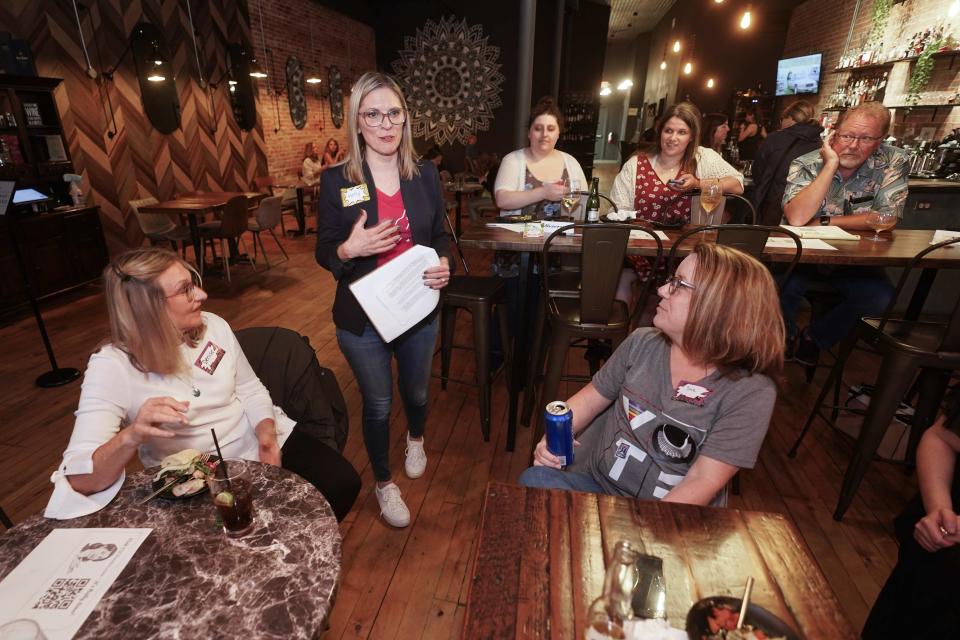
(413, 582)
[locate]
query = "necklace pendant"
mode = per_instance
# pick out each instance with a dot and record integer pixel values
(196, 392)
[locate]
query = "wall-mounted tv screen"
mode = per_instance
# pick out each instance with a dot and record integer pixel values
(798, 75)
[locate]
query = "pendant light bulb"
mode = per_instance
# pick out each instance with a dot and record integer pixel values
(745, 19)
(676, 46)
(663, 65)
(688, 68)
(710, 83)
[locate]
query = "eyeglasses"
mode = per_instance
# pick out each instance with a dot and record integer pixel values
(374, 118)
(850, 139)
(189, 289)
(676, 282)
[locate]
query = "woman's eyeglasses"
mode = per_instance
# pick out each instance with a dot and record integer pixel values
(189, 289)
(676, 282)
(374, 118)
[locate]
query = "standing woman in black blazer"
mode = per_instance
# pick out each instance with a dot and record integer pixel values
(373, 207)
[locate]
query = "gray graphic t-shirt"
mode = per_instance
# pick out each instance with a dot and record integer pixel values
(644, 444)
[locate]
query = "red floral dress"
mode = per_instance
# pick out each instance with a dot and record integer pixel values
(657, 202)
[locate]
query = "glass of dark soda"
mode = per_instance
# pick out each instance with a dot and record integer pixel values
(232, 493)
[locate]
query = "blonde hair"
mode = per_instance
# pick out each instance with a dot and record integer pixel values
(873, 110)
(690, 115)
(799, 111)
(734, 320)
(136, 304)
(407, 160)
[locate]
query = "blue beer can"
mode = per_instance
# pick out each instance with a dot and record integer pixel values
(558, 424)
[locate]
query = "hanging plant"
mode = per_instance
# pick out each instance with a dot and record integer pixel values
(878, 22)
(922, 69)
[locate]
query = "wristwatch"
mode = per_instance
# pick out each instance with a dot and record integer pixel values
(824, 220)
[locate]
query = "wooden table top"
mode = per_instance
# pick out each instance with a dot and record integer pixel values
(904, 244)
(540, 561)
(288, 182)
(200, 202)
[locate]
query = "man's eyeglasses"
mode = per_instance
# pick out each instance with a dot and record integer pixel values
(846, 138)
(676, 282)
(189, 289)
(374, 118)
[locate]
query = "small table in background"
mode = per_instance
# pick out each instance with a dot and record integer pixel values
(461, 189)
(289, 182)
(279, 581)
(541, 557)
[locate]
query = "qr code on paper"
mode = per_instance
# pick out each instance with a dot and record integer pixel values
(61, 593)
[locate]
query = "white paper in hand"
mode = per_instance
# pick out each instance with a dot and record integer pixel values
(394, 296)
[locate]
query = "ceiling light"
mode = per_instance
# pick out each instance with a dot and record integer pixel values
(314, 79)
(676, 46)
(688, 68)
(625, 84)
(605, 89)
(663, 65)
(710, 80)
(745, 20)
(156, 77)
(256, 71)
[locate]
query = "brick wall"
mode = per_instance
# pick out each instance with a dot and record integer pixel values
(337, 40)
(821, 26)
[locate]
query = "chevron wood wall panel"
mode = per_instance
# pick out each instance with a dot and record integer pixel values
(208, 152)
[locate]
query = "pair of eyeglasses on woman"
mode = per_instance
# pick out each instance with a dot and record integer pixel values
(189, 289)
(374, 118)
(676, 282)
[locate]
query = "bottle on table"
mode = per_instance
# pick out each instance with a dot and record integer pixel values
(609, 613)
(593, 201)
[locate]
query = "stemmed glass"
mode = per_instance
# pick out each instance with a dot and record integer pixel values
(880, 221)
(571, 199)
(711, 194)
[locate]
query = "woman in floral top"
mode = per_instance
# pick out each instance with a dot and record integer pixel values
(657, 184)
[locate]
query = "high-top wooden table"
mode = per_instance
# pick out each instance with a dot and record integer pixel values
(301, 187)
(902, 246)
(541, 556)
(190, 206)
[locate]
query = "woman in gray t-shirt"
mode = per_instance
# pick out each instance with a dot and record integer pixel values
(679, 408)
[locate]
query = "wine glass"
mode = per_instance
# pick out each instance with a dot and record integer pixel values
(570, 199)
(710, 196)
(880, 221)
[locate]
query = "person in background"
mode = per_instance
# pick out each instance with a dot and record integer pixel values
(657, 183)
(471, 154)
(920, 598)
(715, 129)
(169, 374)
(852, 174)
(435, 155)
(312, 165)
(799, 134)
(751, 133)
(683, 405)
(332, 153)
(379, 203)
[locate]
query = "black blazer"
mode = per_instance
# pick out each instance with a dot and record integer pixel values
(423, 201)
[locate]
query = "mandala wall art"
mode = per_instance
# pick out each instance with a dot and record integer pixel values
(451, 79)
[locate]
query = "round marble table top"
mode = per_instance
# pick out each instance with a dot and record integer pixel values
(189, 580)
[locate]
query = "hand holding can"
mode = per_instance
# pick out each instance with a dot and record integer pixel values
(558, 425)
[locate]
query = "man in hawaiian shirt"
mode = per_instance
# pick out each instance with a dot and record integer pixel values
(852, 174)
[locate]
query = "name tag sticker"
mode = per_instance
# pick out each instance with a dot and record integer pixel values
(350, 196)
(691, 393)
(210, 357)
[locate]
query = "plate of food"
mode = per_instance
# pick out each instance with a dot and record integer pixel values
(716, 619)
(186, 473)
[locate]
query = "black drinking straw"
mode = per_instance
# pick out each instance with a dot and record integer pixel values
(223, 461)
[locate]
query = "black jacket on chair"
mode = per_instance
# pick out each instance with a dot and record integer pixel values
(772, 163)
(423, 200)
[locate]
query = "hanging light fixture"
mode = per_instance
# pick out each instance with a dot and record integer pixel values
(710, 80)
(663, 65)
(625, 84)
(256, 71)
(676, 46)
(688, 68)
(156, 74)
(313, 77)
(605, 89)
(746, 18)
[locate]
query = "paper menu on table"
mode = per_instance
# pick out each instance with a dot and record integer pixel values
(806, 243)
(394, 296)
(64, 578)
(823, 232)
(941, 235)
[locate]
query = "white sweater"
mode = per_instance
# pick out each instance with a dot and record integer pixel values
(710, 164)
(512, 175)
(231, 400)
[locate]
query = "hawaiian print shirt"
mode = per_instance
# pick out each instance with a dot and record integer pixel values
(880, 184)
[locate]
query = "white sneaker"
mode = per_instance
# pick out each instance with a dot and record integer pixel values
(392, 507)
(416, 462)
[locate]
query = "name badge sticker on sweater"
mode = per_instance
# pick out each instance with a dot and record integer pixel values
(350, 196)
(691, 393)
(210, 357)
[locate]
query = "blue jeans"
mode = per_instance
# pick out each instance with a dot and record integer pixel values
(369, 357)
(866, 291)
(550, 478)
